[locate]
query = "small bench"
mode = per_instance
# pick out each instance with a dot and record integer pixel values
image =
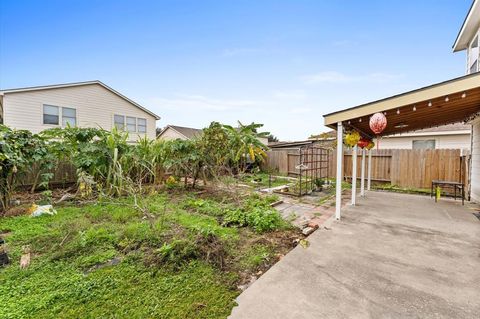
(455, 185)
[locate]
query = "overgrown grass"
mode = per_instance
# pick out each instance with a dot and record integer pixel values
(109, 260)
(262, 180)
(398, 189)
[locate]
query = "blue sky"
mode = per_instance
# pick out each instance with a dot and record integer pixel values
(281, 63)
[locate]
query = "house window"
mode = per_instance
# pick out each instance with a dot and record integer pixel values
(131, 124)
(142, 125)
(119, 121)
(50, 114)
(69, 116)
(423, 145)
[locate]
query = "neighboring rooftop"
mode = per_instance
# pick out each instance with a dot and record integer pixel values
(188, 132)
(292, 144)
(66, 85)
(469, 27)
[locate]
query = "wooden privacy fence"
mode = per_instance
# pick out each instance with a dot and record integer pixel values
(63, 174)
(404, 168)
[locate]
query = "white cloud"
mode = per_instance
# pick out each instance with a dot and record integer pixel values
(338, 77)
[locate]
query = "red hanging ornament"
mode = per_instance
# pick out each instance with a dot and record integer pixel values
(363, 142)
(378, 122)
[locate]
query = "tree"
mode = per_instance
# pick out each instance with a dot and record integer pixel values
(244, 145)
(158, 130)
(272, 138)
(20, 152)
(183, 157)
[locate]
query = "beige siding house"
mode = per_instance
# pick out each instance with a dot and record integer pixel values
(83, 104)
(468, 41)
(452, 136)
(173, 132)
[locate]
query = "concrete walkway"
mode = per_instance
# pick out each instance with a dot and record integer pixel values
(391, 256)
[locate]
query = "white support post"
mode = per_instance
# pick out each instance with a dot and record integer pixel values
(354, 175)
(362, 174)
(338, 195)
(369, 179)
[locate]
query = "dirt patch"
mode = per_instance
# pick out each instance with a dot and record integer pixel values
(112, 262)
(280, 242)
(16, 211)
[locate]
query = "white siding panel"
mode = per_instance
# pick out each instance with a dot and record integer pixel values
(460, 141)
(171, 134)
(475, 173)
(95, 107)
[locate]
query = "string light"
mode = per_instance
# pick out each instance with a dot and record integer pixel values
(414, 108)
(429, 103)
(360, 120)
(447, 99)
(398, 111)
(464, 95)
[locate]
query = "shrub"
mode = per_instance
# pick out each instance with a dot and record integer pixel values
(263, 220)
(256, 213)
(235, 217)
(20, 152)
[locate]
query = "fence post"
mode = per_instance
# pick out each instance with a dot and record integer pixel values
(369, 176)
(362, 174)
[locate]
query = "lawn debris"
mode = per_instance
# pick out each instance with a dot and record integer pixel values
(308, 230)
(36, 210)
(65, 197)
(276, 203)
(304, 243)
(3, 253)
(26, 257)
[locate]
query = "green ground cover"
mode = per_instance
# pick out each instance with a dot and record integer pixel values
(181, 257)
(262, 180)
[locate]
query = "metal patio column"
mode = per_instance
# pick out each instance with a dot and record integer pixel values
(338, 183)
(354, 175)
(362, 175)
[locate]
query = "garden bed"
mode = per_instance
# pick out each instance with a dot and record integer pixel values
(188, 254)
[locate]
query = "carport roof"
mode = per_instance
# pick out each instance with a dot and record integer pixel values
(442, 103)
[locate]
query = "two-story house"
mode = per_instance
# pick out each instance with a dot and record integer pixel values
(82, 104)
(468, 38)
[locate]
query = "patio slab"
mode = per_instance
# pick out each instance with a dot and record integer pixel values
(391, 256)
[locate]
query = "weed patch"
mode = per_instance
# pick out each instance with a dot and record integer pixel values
(184, 258)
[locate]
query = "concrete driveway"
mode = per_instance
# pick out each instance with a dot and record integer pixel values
(391, 256)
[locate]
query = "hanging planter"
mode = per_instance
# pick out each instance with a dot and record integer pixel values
(352, 138)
